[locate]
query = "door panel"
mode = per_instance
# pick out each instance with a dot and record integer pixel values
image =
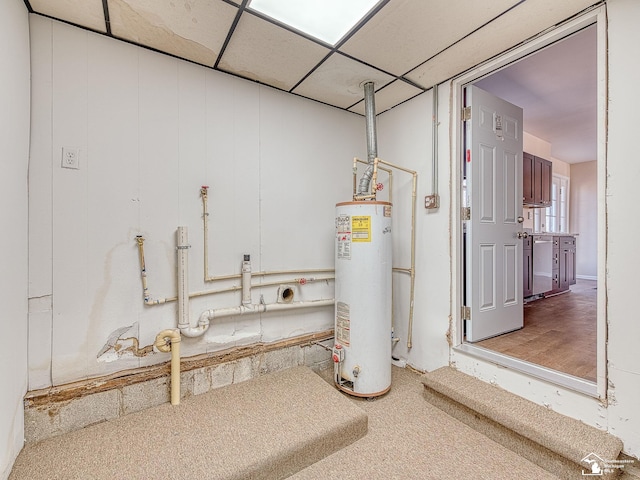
(512, 202)
(488, 277)
(487, 184)
(510, 272)
(493, 252)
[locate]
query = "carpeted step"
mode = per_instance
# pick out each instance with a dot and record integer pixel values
(557, 443)
(266, 428)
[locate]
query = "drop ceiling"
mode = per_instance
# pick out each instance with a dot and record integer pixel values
(403, 46)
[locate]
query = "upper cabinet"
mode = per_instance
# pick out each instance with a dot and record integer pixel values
(536, 181)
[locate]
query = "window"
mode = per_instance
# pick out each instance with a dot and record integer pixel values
(556, 216)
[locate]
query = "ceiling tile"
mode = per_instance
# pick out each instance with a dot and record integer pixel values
(390, 96)
(406, 33)
(262, 51)
(188, 29)
(524, 21)
(339, 81)
(86, 13)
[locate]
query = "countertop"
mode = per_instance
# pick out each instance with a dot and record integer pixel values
(547, 234)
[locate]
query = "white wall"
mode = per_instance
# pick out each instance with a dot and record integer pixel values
(623, 177)
(14, 138)
(405, 139)
(583, 216)
(151, 131)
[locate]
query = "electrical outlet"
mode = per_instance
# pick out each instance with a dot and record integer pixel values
(431, 201)
(71, 157)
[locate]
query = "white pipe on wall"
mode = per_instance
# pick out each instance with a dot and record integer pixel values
(183, 289)
(209, 315)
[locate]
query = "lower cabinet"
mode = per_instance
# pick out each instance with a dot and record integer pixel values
(527, 267)
(567, 262)
(563, 267)
(564, 263)
(555, 269)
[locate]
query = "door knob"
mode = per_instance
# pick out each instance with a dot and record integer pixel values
(520, 219)
(522, 235)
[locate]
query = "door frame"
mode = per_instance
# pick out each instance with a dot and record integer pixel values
(597, 16)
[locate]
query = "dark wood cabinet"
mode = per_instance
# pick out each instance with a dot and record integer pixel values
(555, 266)
(564, 263)
(562, 267)
(536, 181)
(567, 262)
(527, 267)
(527, 178)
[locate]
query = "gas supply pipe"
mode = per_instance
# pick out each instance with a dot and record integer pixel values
(169, 341)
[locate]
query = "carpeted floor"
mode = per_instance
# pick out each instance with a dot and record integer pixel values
(407, 438)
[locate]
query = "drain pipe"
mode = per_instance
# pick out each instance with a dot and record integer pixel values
(169, 341)
(209, 315)
(184, 325)
(372, 141)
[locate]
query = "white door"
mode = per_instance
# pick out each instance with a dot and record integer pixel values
(493, 250)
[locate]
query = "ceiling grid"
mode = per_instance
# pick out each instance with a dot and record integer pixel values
(403, 46)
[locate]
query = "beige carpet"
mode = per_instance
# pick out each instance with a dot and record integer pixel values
(265, 428)
(549, 439)
(408, 438)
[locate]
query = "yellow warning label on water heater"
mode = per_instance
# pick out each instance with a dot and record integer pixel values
(361, 229)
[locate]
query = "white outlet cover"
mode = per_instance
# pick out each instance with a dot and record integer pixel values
(71, 157)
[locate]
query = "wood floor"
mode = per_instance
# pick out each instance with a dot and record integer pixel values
(559, 333)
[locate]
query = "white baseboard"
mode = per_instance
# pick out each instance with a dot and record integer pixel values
(587, 277)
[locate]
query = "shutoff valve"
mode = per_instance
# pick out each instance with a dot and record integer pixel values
(338, 354)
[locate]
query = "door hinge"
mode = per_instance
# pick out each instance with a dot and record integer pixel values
(466, 214)
(466, 114)
(466, 313)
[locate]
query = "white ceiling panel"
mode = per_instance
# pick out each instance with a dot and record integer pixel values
(515, 26)
(405, 47)
(192, 30)
(390, 96)
(339, 81)
(262, 51)
(406, 33)
(86, 13)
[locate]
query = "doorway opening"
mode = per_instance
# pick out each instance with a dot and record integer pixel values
(563, 339)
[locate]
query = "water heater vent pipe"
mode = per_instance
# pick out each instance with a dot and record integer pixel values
(372, 140)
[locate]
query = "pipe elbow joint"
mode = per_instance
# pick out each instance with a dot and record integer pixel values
(165, 339)
(197, 331)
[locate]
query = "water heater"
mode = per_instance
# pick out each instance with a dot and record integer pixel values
(363, 267)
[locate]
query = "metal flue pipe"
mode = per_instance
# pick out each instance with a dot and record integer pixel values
(372, 140)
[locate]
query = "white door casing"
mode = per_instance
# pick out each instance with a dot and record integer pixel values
(493, 251)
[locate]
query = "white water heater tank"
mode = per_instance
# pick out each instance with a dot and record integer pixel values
(363, 267)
